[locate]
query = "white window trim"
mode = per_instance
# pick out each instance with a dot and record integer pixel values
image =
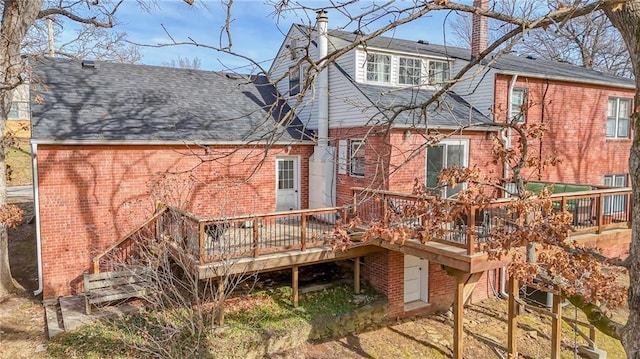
(394, 68)
(465, 158)
(429, 62)
(617, 120)
(420, 68)
(525, 100)
(612, 202)
(366, 68)
(361, 147)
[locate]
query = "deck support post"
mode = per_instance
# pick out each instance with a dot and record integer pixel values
(512, 324)
(294, 285)
(556, 326)
(221, 301)
(356, 275)
(458, 322)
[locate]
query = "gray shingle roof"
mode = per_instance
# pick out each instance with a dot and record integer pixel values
(510, 63)
(450, 111)
(139, 103)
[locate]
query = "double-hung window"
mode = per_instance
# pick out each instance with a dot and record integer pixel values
(356, 158)
(378, 68)
(438, 72)
(409, 71)
(618, 112)
(518, 105)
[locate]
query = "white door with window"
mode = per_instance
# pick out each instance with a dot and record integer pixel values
(446, 153)
(416, 279)
(287, 183)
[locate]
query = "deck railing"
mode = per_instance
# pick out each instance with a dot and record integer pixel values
(213, 239)
(129, 248)
(468, 226)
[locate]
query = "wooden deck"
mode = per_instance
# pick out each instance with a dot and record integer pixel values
(270, 241)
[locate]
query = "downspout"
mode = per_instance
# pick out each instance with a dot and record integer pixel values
(544, 98)
(506, 137)
(323, 82)
(36, 210)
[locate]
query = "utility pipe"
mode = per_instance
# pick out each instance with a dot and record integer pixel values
(323, 81)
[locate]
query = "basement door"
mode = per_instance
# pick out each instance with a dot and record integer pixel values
(287, 183)
(416, 279)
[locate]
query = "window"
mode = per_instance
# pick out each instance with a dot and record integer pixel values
(378, 68)
(519, 105)
(19, 110)
(285, 174)
(618, 112)
(409, 71)
(616, 203)
(357, 158)
(438, 72)
(294, 81)
(445, 154)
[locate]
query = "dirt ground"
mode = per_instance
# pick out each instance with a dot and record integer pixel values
(22, 325)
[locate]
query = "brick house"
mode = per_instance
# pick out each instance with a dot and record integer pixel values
(106, 135)
(375, 147)
(108, 138)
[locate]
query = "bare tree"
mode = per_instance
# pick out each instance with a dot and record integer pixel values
(18, 18)
(590, 41)
(185, 63)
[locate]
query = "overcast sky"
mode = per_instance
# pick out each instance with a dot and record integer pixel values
(256, 31)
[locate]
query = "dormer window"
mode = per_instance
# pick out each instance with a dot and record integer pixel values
(378, 68)
(438, 72)
(409, 71)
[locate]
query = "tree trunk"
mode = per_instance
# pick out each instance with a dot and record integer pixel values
(17, 18)
(627, 21)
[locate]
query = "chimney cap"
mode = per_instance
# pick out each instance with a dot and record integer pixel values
(88, 64)
(322, 15)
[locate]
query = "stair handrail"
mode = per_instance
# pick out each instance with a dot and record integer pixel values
(160, 209)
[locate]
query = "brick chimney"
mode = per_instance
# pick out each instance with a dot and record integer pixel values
(479, 29)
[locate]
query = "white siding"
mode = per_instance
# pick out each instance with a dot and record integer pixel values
(348, 107)
(305, 108)
(476, 86)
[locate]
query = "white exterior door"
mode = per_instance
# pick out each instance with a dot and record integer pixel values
(287, 183)
(416, 279)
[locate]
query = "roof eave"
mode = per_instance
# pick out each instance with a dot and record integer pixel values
(565, 78)
(47, 141)
(481, 127)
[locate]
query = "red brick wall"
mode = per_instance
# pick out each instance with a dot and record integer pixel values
(576, 119)
(385, 271)
(376, 154)
(408, 157)
(90, 196)
(441, 287)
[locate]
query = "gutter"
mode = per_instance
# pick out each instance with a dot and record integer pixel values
(165, 143)
(36, 211)
(568, 79)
